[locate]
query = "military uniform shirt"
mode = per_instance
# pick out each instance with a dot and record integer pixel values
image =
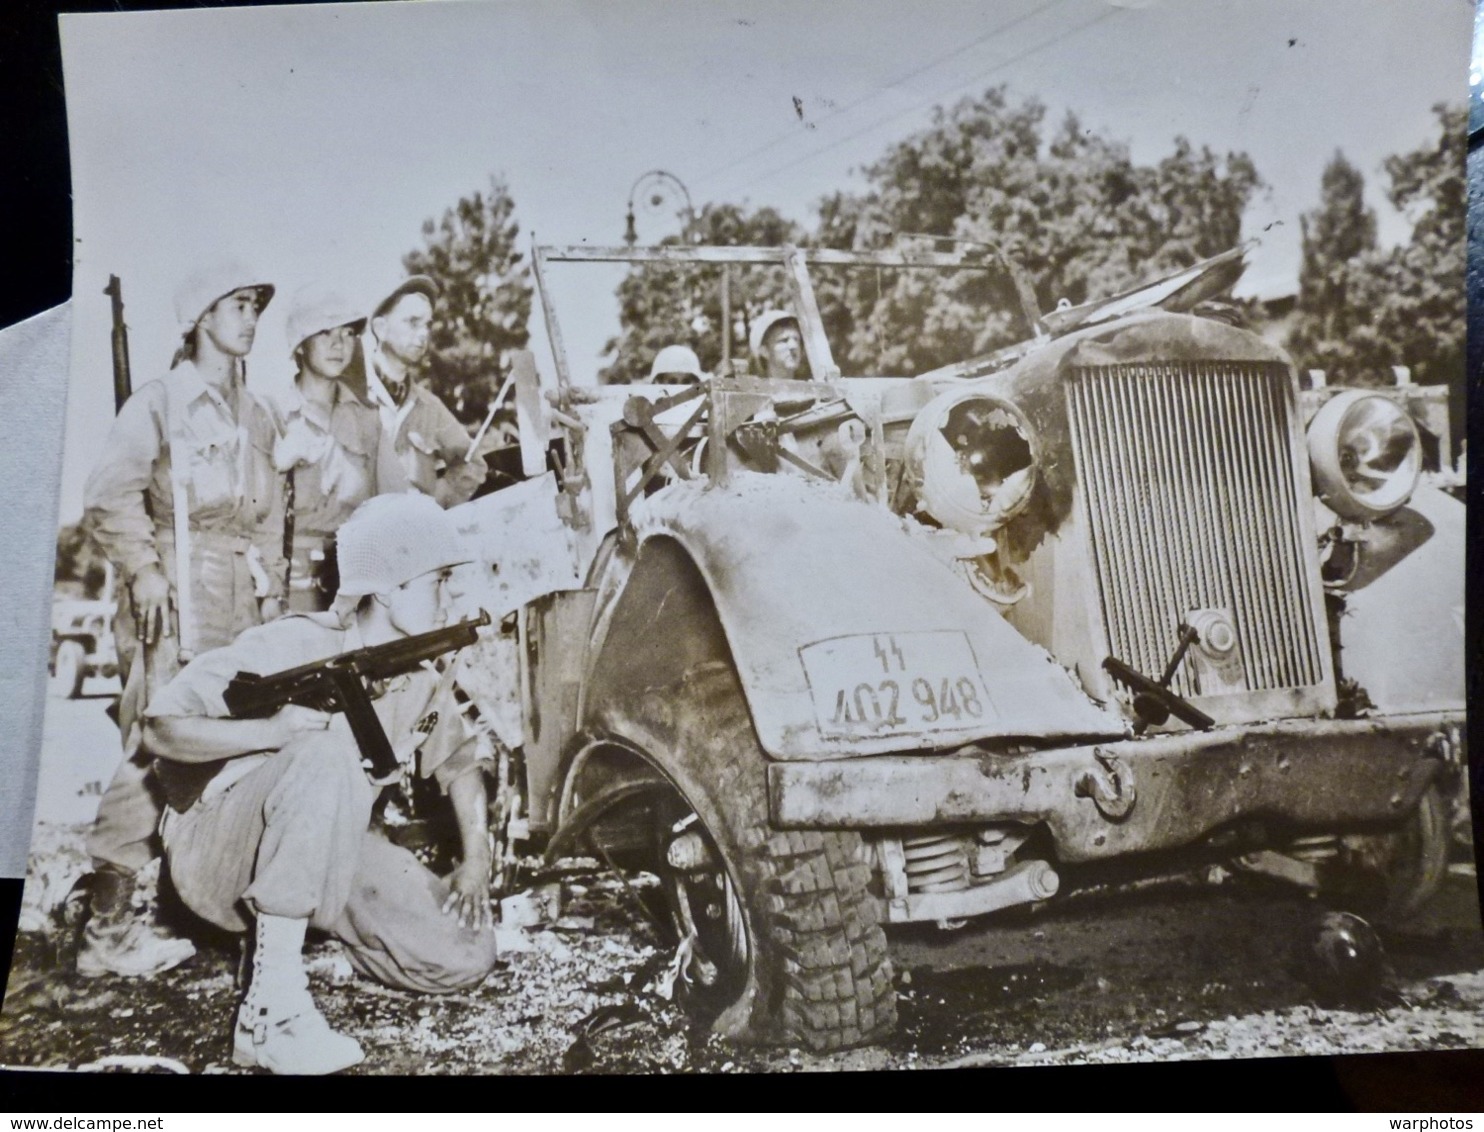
(231, 485)
(424, 433)
(356, 461)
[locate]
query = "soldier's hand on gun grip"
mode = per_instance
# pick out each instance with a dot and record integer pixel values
(293, 720)
(151, 594)
(469, 896)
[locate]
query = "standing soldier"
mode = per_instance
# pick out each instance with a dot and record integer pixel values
(424, 433)
(331, 447)
(185, 502)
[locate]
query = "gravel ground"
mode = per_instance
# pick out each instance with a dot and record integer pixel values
(1177, 971)
(1183, 969)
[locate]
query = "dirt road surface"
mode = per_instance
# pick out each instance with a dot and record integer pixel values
(1177, 970)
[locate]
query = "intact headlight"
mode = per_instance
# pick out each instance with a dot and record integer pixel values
(971, 458)
(1365, 454)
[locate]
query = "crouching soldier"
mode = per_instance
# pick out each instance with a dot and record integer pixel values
(268, 825)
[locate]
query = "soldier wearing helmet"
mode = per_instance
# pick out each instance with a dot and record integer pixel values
(675, 365)
(268, 825)
(331, 448)
(777, 344)
(429, 440)
(184, 502)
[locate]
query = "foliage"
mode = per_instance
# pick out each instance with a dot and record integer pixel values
(665, 304)
(1340, 231)
(1073, 208)
(1363, 308)
(486, 297)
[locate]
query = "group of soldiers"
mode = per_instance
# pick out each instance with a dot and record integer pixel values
(253, 536)
(222, 512)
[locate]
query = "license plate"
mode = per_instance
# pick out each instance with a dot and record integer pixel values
(895, 684)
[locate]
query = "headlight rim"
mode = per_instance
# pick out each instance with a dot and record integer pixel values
(1329, 481)
(928, 421)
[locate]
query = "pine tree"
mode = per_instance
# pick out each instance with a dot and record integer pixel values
(485, 297)
(1339, 242)
(1364, 309)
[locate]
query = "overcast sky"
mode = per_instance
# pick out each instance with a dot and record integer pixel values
(314, 140)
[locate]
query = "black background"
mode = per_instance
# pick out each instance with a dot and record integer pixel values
(35, 274)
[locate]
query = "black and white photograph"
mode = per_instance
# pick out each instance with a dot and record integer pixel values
(753, 537)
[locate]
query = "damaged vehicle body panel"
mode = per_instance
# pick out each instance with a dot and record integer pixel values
(827, 654)
(884, 650)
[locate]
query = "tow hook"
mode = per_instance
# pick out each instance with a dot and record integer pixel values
(1110, 785)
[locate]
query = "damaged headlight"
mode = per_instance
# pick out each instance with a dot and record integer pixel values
(971, 459)
(1365, 453)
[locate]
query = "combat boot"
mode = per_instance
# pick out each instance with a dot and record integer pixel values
(116, 941)
(279, 1028)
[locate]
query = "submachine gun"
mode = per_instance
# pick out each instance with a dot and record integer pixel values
(339, 683)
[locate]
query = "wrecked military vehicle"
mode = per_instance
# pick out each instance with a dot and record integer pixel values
(829, 655)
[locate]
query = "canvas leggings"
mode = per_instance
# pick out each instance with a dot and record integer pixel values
(291, 839)
(225, 601)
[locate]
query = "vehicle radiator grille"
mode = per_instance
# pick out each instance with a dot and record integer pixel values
(1192, 504)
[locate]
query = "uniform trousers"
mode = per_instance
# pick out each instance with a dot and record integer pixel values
(291, 839)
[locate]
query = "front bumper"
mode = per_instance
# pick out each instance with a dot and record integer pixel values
(1137, 795)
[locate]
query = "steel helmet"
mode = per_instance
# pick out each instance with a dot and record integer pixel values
(413, 285)
(676, 359)
(764, 323)
(314, 309)
(199, 293)
(392, 539)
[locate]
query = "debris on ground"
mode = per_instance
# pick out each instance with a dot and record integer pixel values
(1150, 973)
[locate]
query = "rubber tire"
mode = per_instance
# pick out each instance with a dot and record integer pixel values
(818, 971)
(69, 669)
(1412, 860)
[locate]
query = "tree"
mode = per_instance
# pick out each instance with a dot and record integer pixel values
(1425, 318)
(664, 304)
(1074, 210)
(1363, 308)
(1339, 245)
(485, 301)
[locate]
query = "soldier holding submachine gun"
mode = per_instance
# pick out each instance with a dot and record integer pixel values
(270, 800)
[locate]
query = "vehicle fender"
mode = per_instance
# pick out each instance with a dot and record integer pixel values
(1401, 628)
(787, 565)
